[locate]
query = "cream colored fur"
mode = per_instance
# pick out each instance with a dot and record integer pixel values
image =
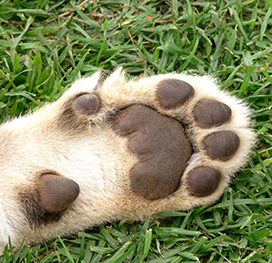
(99, 160)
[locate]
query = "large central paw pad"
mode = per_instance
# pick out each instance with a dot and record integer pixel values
(161, 147)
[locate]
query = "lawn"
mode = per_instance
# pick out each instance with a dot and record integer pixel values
(45, 45)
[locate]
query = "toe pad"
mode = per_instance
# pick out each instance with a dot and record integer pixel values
(172, 93)
(221, 145)
(209, 113)
(86, 104)
(203, 181)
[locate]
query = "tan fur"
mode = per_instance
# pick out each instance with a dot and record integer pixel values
(99, 160)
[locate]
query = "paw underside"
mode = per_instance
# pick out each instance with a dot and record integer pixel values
(188, 136)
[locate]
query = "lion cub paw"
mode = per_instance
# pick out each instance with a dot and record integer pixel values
(189, 137)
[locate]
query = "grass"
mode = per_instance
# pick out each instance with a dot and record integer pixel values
(45, 45)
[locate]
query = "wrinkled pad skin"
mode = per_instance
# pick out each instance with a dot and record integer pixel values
(161, 147)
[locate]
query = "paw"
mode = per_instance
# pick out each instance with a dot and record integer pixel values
(179, 167)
